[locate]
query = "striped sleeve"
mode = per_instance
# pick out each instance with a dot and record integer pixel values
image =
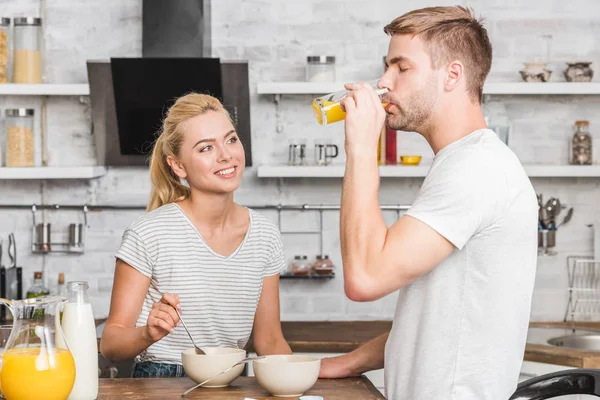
(133, 251)
(276, 263)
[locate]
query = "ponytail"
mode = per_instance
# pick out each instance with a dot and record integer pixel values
(166, 186)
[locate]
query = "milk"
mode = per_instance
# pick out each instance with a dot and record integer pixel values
(80, 332)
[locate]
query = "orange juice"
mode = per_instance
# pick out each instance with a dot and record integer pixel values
(332, 109)
(29, 373)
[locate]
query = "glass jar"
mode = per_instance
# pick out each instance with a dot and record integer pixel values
(4, 49)
(581, 144)
(323, 265)
(320, 69)
(20, 147)
(27, 64)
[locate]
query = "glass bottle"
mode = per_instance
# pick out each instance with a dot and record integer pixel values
(61, 290)
(581, 144)
(37, 289)
(80, 333)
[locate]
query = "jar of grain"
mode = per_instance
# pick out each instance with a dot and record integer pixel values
(20, 149)
(4, 51)
(27, 62)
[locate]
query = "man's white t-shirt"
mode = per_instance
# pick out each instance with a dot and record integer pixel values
(459, 331)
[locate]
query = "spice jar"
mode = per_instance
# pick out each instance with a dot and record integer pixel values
(323, 265)
(28, 56)
(320, 69)
(4, 51)
(19, 138)
(581, 144)
(300, 266)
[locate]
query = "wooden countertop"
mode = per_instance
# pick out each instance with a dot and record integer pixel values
(172, 388)
(345, 336)
(563, 355)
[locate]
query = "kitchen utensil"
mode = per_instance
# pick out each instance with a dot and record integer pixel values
(567, 217)
(12, 250)
(198, 349)
(14, 276)
(75, 235)
(244, 361)
(43, 237)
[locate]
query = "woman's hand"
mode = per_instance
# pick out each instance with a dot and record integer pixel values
(162, 318)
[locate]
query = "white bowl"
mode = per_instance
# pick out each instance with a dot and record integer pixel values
(200, 367)
(287, 375)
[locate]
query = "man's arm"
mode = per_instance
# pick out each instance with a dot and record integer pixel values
(367, 357)
(377, 260)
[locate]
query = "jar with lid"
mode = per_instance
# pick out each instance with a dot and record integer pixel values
(27, 64)
(19, 138)
(301, 266)
(581, 144)
(320, 69)
(4, 49)
(323, 265)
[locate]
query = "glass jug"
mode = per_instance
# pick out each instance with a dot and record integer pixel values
(34, 364)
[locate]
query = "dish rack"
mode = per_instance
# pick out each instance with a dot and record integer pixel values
(584, 289)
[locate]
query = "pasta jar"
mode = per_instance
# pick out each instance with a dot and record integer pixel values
(27, 59)
(581, 144)
(4, 51)
(20, 149)
(320, 68)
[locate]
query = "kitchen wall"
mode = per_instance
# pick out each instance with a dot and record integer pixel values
(275, 36)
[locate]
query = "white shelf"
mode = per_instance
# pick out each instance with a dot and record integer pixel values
(524, 88)
(52, 172)
(420, 171)
(44, 89)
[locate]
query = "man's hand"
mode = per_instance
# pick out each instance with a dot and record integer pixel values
(335, 367)
(365, 117)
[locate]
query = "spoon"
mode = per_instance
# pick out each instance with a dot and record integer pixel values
(197, 348)
(244, 361)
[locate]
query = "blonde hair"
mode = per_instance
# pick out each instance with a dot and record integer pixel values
(166, 185)
(451, 33)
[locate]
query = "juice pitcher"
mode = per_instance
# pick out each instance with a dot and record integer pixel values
(34, 364)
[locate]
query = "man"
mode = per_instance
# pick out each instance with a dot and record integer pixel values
(464, 255)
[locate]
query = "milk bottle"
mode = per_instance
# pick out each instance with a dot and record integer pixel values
(80, 333)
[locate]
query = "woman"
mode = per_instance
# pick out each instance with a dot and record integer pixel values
(195, 249)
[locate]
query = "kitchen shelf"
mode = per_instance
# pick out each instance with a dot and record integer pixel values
(401, 171)
(52, 172)
(310, 276)
(44, 89)
(522, 88)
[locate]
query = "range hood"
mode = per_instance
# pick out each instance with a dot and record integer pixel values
(129, 96)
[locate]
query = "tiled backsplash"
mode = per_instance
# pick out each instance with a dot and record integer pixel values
(276, 36)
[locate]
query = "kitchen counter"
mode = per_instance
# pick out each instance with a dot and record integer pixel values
(172, 388)
(538, 349)
(345, 336)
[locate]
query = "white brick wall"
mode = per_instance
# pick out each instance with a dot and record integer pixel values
(275, 36)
